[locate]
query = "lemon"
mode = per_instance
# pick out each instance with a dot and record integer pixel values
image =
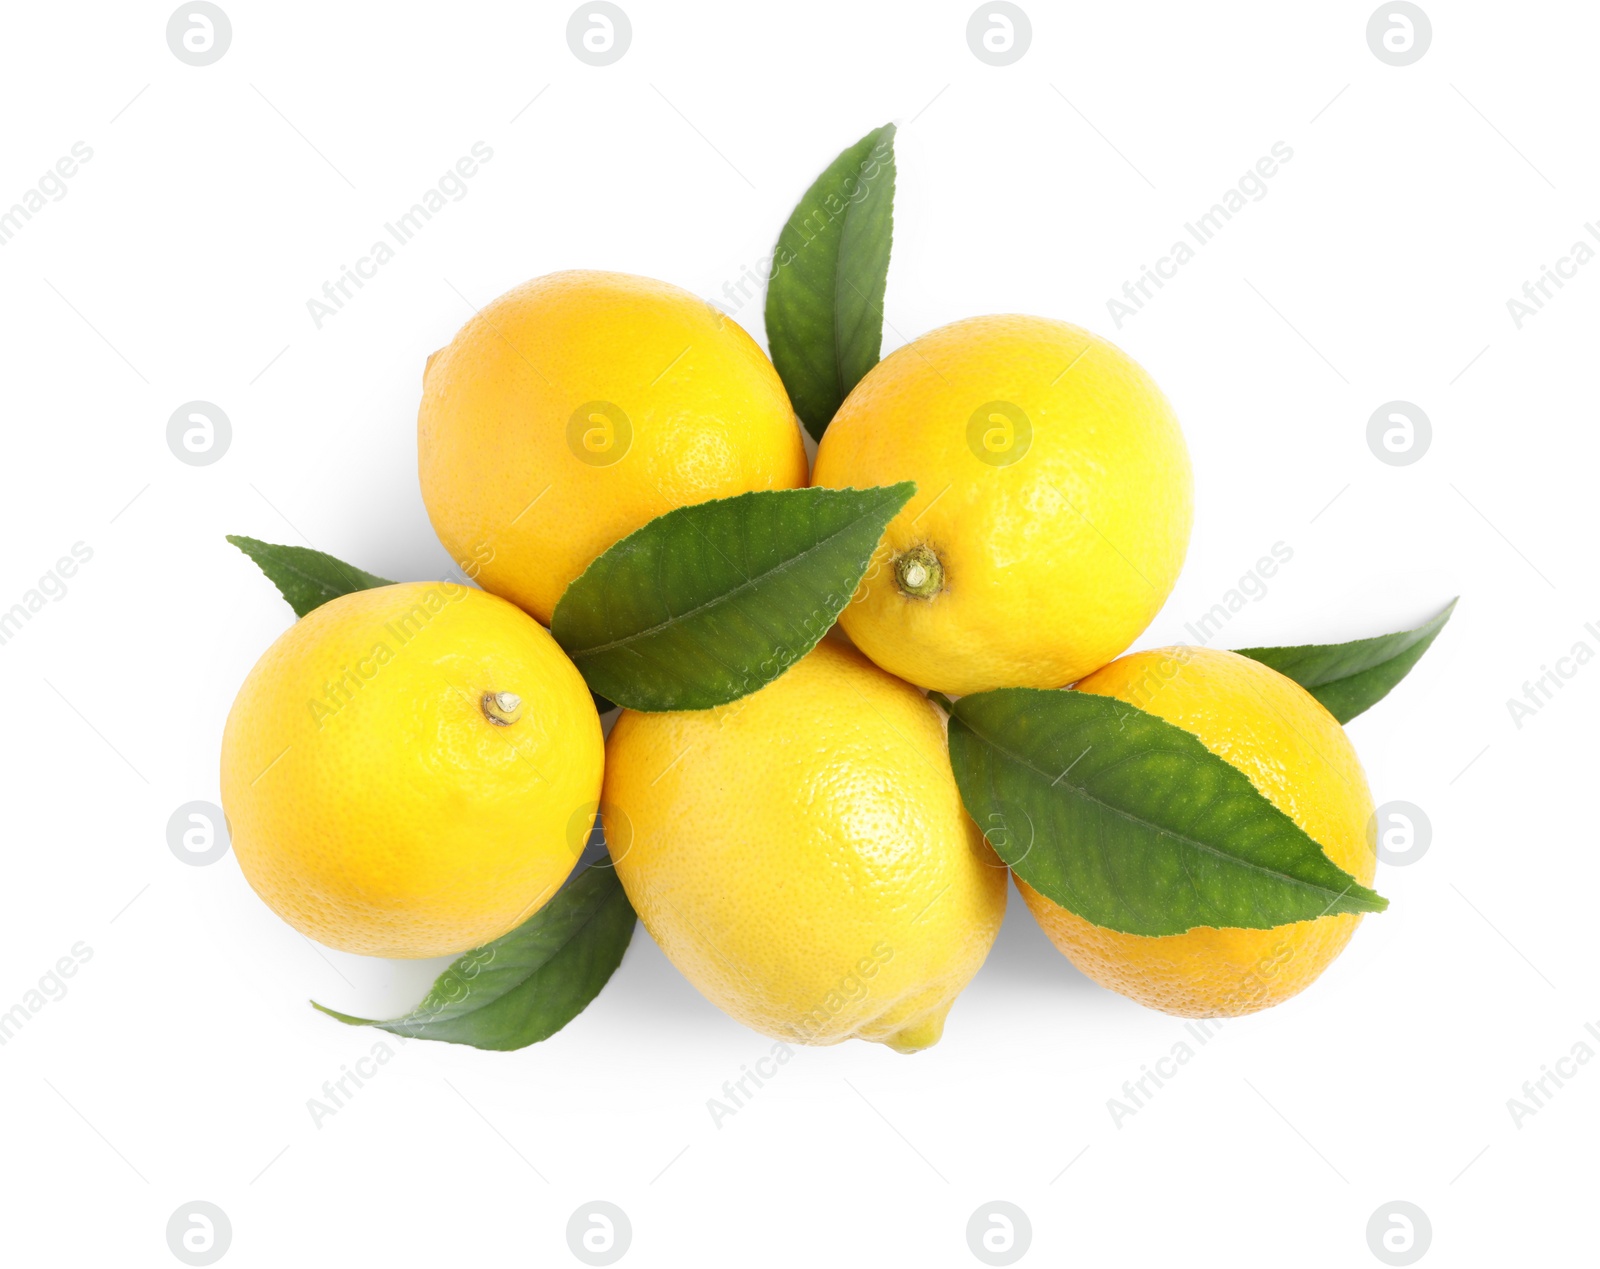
(410, 770)
(802, 856)
(1052, 510)
(1298, 757)
(576, 408)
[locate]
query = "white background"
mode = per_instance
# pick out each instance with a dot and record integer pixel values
(1378, 266)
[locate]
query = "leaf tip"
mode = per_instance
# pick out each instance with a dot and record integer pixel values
(348, 1019)
(906, 490)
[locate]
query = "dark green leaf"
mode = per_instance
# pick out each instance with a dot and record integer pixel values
(528, 984)
(306, 578)
(1350, 678)
(707, 603)
(1133, 823)
(829, 271)
(601, 705)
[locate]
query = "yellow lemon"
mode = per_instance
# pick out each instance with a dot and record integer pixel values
(411, 770)
(574, 409)
(802, 855)
(1052, 510)
(1298, 757)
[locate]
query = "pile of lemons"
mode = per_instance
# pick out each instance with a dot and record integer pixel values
(412, 770)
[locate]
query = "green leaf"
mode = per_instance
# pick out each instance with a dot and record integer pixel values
(528, 984)
(1131, 822)
(707, 603)
(306, 578)
(829, 272)
(1350, 678)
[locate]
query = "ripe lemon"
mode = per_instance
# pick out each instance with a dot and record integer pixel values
(1298, 757)
(402, 770)
(802, 855)
(574, 409)
(1052, 510)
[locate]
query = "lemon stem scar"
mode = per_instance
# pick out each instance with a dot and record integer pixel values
(502, 708)
(919, 572)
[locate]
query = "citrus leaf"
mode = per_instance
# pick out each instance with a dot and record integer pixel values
(306, 578)
(528, 984)
(1350, 678)
(1131, 822)
(829, 272)
(707, 603)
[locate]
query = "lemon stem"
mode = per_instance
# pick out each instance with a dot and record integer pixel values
(919, 572)
(502, 708)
